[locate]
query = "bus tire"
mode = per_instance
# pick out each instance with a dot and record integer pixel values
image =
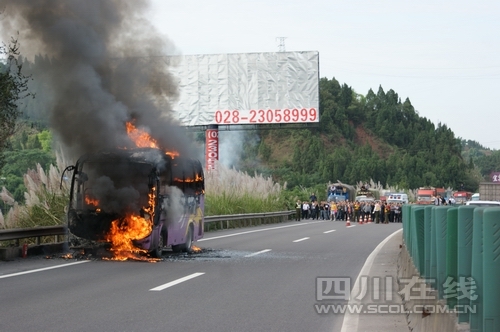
(186, 246)
(158, 250)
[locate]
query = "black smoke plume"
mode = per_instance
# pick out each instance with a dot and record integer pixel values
(108, 66)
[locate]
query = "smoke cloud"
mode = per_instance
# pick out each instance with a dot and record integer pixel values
(107, 68)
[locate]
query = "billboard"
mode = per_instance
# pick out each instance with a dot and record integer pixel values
(495, 177)
(246, 88)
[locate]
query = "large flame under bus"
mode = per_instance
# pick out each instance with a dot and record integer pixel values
(151, 199)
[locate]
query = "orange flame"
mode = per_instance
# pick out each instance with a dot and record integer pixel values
(195, 248)
(197, 178)
(141, 138)
(123, 232)
(172, 154)
(91, 201)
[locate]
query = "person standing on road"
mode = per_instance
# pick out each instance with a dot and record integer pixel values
(376, 211)
(397, 213)
(367, 210)
(305, 209)
(314, 204)
(387, 210)
(326, 209)
(322, 210)
(318, 210)
(357, 209)
(298, 208)
(333, 211)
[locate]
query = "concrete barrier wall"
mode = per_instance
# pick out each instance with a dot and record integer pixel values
(451, 259)
(421, 309)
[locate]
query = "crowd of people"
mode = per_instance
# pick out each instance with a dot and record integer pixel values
(375, 211)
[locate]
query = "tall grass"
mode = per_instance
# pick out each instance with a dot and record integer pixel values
(46, 198)
(228, 191)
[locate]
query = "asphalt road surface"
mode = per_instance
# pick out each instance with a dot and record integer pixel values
(247, 279)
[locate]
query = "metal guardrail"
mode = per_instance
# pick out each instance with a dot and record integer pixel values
(248, 219)
(36, 232)
(252, 218)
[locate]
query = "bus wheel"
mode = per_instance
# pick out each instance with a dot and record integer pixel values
(158, 250)
(186, 246)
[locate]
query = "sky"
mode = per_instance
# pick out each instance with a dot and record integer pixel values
(444, 56)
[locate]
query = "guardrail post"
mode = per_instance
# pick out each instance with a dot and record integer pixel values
(417, 237)
(441, 223)
(433, 255)
(464, 254)
(476, 316)
(491, 268)
(451, 252)
(406, 210)
(427, 240)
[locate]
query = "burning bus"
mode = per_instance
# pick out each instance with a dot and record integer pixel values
(138, 200)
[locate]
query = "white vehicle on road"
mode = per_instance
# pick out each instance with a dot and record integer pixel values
(398, 198)
(483, 203)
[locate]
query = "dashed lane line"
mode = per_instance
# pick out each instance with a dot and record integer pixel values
(259, 230)
(177, 281)
(303, 239)
(258, 253)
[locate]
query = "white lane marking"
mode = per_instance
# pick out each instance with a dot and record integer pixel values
(351, 321)
(303, 239)
(178, 281)
(351, 226)
(40, 270)
(333, 230)
(258, 252)
(258, 230)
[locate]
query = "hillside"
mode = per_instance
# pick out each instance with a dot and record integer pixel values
(361, 138)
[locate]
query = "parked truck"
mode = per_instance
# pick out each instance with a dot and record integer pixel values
(461, 197)
(339, 192)
(426, 195)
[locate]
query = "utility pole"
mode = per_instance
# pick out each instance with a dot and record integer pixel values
(281, 44)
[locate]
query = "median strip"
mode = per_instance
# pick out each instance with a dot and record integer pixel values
(178, 281)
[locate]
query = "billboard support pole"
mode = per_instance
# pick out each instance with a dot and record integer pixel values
(211, 147)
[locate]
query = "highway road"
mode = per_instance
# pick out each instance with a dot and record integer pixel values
(248, 279)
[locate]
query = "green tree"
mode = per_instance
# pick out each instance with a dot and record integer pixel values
(45, 138)
(13, 88)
